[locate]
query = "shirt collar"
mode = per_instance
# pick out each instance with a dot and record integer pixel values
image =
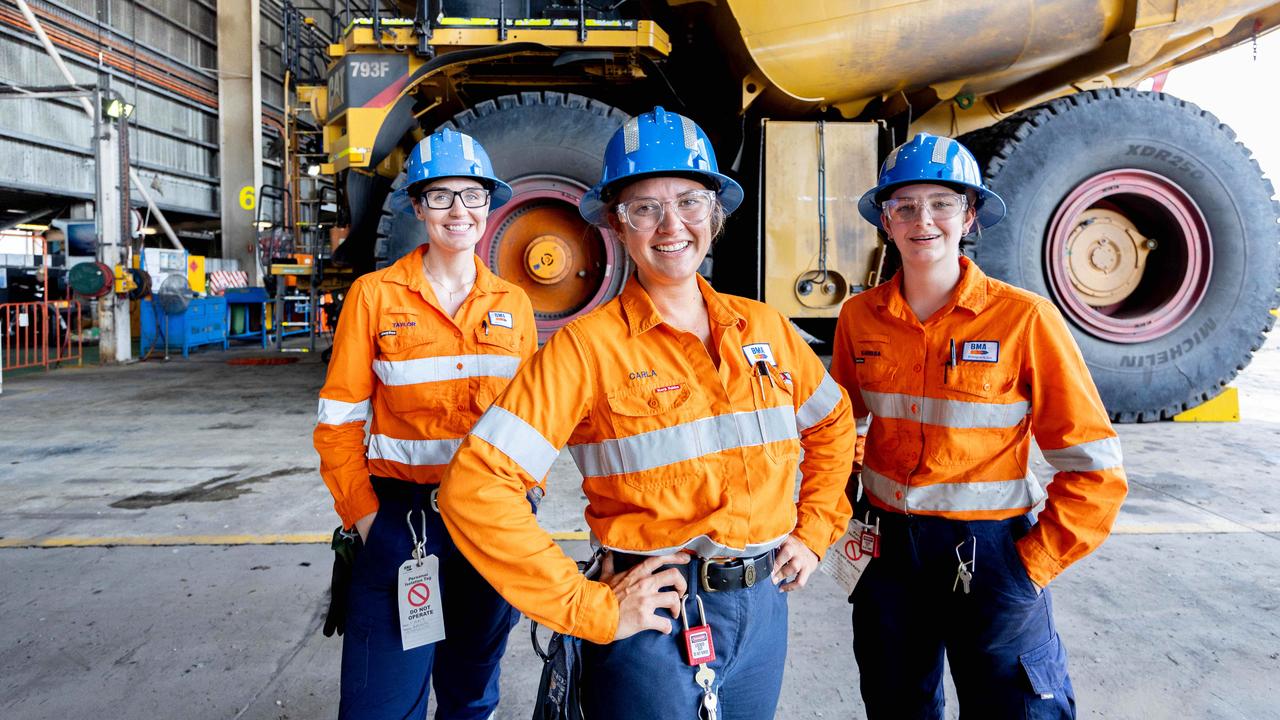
(970, 292)
(641, 314)
(407, 271)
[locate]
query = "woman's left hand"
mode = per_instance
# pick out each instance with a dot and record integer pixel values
(793, 559)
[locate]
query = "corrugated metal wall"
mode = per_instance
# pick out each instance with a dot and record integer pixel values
(161, 56)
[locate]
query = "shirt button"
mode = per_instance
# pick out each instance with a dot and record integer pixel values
(898, 495)
(986, 386)
(459, 366)
(917, 368)
(914, 409)
(653, 403)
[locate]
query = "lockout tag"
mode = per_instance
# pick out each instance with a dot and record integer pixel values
(846, 561)
(421, 619)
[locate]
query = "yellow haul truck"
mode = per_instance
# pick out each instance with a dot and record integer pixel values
(1139, 214)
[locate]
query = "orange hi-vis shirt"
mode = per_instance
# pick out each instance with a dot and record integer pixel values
(675, 452)
(419, 377)
(953, 439)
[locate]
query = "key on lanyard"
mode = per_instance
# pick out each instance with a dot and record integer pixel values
(701, 650)
(964, 573)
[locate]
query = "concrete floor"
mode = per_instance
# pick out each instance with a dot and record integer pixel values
(163, 536)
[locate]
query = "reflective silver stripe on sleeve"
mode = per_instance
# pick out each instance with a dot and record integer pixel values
(686, 441)
(437, 369)
(705, 547)
(412, 452)
(864, 424)
(337, 412)
(955, 496)
(945, 413)
(517, 439)
(820, 403)
(1094, 455)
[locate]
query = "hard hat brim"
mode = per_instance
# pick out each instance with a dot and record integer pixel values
(596, 212)
(991, 207)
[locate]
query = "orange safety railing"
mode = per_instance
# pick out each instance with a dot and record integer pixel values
(35, 334)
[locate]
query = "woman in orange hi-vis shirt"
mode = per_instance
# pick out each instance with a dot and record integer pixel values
(957, 373)
(422, 348)
(686, 411)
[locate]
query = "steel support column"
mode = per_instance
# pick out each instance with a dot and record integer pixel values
(240, 129)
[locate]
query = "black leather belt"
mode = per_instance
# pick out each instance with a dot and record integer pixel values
(735, 574)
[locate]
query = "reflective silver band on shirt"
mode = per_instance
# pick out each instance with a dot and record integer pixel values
(444, 367)
(337, 412)
(819, 405)
(703, 547)
(1094, 455)
(412, 452)
(954, 496)
(945, 413)
(685, 441)
(517, 439)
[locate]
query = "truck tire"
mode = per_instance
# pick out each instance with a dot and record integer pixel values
(550, 147)
(1094, 178)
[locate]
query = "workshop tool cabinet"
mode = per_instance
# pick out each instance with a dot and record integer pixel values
(203, 323)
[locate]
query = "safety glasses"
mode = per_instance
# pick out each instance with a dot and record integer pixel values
(940, 206)
(441, 199)
(692, 207)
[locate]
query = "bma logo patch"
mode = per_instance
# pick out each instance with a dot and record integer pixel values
(981, 351)
(500, 319)
(756, 352)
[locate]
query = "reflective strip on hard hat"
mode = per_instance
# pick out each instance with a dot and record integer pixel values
(890, 161)
(445, 367)
(1095, 455)
(945, 413)
(940, 147)
(954, 496)
(819, 405)
(690, 133)
(424, 151)
(517, 439)
(337, 412)
(631, 136)
(468, 147)
(685, 441)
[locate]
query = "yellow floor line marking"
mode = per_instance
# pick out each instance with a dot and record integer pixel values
(1190, 528)
(180, 540)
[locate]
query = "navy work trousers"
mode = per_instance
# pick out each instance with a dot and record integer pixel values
(645, 676)
(1006, 658)
(379, 679)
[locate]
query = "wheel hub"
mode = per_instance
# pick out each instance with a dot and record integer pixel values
(547, 259)
(1108, 272)
(1106, 257)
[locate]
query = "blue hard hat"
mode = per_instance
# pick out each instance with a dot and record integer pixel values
(449, 153)
(932, 159)
(654, 144)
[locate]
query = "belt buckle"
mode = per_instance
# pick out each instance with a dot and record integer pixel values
(748, 572)
(435, 505)
(703, 580)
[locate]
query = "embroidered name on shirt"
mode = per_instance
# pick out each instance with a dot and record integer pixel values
(756, 352)
(500, 319)
(409, 323)
(981, 351)
(869, 353)
(642, 374)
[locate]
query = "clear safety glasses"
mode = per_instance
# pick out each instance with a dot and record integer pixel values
(692, 207)
(941, 206)
(441, 199)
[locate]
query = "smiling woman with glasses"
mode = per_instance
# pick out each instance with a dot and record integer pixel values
(687, 412)
(422, 348)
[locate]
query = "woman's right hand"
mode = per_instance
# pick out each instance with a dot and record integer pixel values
(363, 525)
(639, 592)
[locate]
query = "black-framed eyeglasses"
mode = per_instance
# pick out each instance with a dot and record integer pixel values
(941, 206)
(692, 206)
(442, 199)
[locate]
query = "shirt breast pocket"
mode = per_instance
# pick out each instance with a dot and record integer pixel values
(775, 414)
(501, 350)
(648, 438)
(981, 404)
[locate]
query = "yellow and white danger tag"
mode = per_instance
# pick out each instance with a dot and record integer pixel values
(421, 616)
